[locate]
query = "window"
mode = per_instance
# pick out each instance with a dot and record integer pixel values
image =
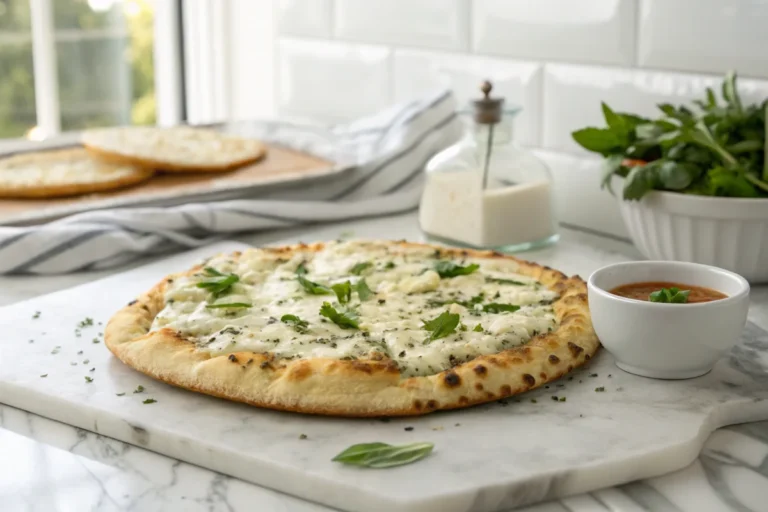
(72, 64)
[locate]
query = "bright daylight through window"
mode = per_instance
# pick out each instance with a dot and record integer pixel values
(100, 61)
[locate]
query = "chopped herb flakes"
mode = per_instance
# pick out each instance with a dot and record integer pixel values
(504, 281)
(139, 389)
(229, 305)
(478, 328)
(85, 323)
(96, 340)
(500, 308)
(313, 288)
(303, 436)
(43, 375)
(88, 379)
(219, 283)
(56, 349)
(36, 315)
(149, 401)
(600, 389)
(120, 394)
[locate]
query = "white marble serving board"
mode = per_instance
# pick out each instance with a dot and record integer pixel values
(486, 458)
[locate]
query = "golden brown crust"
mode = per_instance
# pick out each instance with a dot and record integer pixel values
(359, 388)
(42, 190)
(160, 165)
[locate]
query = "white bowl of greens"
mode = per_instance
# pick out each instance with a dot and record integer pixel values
(694, 181)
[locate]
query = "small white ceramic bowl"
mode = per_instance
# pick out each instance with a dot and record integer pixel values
(667, 341)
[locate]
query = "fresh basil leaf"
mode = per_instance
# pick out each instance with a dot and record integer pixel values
(343, 291)
(229, 305)
(640, 180)
(441, 326)
(711, 99)
(382, 455)
(729, 183)
(681, 297)
(598, 140)
(359, 268)
(299, 325)
(677, 175)
(313, 288)
(504, 281)
(731, 92)
(611, 166)
(745, 146)
(670, 296)
(363, 291)
(495, 307)
(345, 320)
(451, 269)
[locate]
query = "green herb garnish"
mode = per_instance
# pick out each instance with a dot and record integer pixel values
(359, 268)
(382, 455)
(346, 319)
(149, 401)
(313, 288)
(441, 326)
(451, 269)
(120, 394)
(343, 291)
(299, 325)
(219, 283)
(365, 293)
(229, 305)
(85, 323)
(43, 375)
(504, 281)
(670, 295)
(88, 379)
(389, 265)
(36, 315)
(600, 389)
(478, 328)
(139, 389)
(301, 270)
(495, 307)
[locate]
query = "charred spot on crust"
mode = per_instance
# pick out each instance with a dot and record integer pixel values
(134, 301)
(529, 379)
(489, 394)
(575, 349)
(417, 405)
(463, 400)
(363, 367)
(265, 365)
(232, 357)
(517, 360)
(480, 370)
(553, 359)
(377, 356)
(570, 367)
(145, 308)
(451, 379)
(479, 386)
(505, 390)
(543, 376)
(432, 404)
(497, 254)
(587, 357)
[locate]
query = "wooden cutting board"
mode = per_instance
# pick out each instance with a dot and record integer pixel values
(280, 166)
(487, 458)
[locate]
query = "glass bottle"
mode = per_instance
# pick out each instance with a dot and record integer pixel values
(485, 192)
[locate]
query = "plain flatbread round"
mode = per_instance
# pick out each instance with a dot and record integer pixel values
(178, 148)
(373, 385)
(64, 172)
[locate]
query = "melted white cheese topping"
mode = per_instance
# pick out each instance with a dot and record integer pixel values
(407, 289)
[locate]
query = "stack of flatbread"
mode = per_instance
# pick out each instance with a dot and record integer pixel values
(113, 158)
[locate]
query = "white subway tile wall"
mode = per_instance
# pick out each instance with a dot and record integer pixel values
(556, 59)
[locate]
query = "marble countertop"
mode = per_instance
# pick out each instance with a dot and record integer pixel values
(50, 466)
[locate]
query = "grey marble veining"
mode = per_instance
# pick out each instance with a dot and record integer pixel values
(98, 473)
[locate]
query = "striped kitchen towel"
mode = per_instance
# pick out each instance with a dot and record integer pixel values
(392, 149)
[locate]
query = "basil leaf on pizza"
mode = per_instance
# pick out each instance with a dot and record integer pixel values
(358, 328)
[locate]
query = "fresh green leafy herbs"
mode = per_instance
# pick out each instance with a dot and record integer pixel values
(149, 401)
(478, 328)
(363, 291)
(382, 455)
(313, 288)
(88, 379)
(504, 281)
(139, 389)
(495, 307)
(670, 295)
(219, 283)
(299, 325)
(301, 270)
(229, 305)
(346, 319)
(441, 326)
(361, 267)
(450, 269)
(343, 291)
(717, 148)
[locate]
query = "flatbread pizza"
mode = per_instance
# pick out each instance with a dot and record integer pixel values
(358, 328)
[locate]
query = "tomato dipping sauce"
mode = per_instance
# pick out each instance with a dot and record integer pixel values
(642, 291)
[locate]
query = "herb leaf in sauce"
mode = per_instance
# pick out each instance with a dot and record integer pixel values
(361, 267)
(220, 283)
(297, 323)
(441, 326)
(450, 269)
(504, 281)
(229, 305)
(345, 320)
(365, 293)
(313, 288)
(343, 291)
(495, 307)
(670, 295)
(382, 455)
